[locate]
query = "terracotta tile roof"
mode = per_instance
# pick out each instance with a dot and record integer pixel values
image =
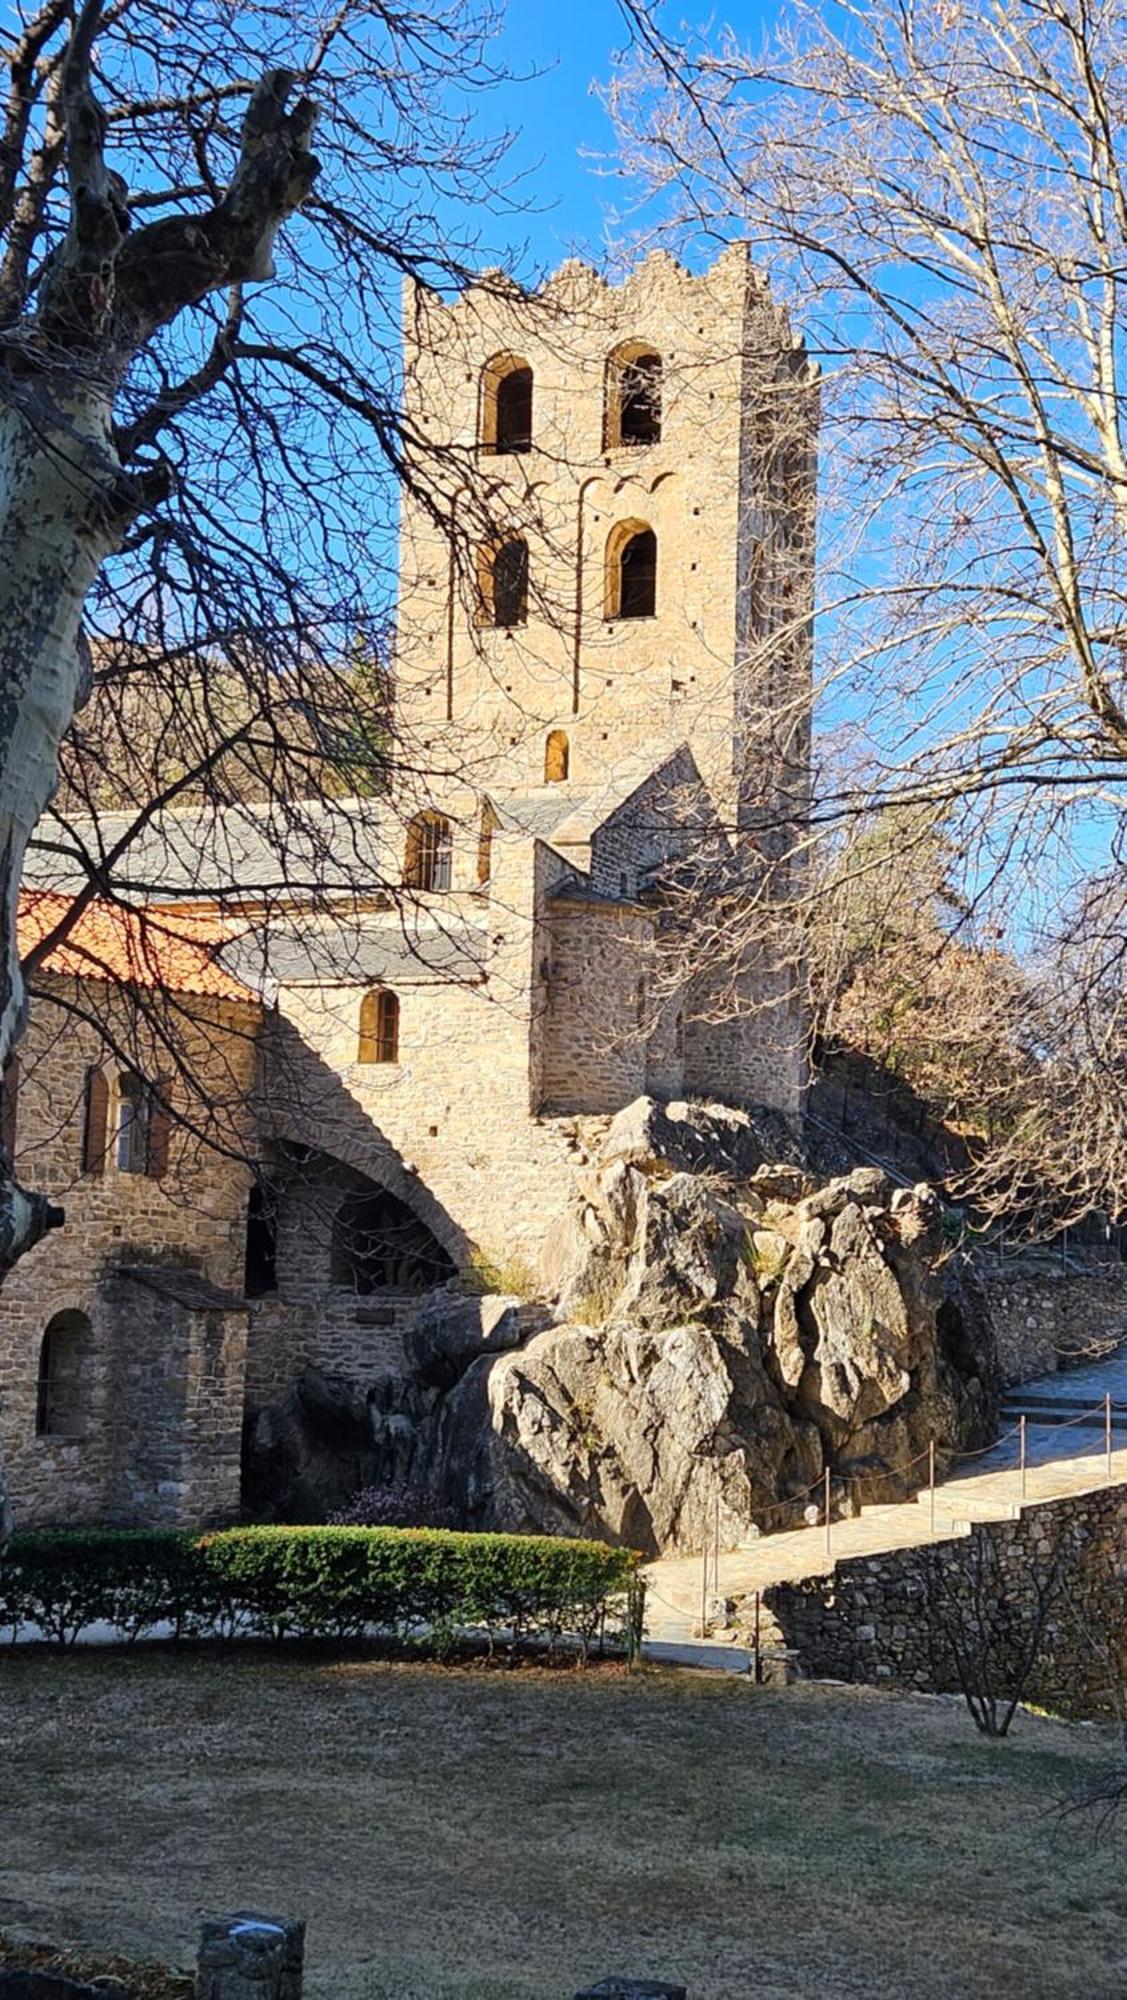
(138, 948)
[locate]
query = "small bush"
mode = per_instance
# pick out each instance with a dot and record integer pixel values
(397, 1506)
(425, 1586)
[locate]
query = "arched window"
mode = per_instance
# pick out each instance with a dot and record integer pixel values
(633, 396)
(379, 1244)
(504, 574)
(260, 1273)
(131, 1130)
(62, 1405)
(429, 851)
(557, 757)
(631, 571)
(506, 404)
(379, 1027)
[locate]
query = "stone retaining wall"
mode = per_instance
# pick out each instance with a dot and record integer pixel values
(1044, 1318)
(887, 1619)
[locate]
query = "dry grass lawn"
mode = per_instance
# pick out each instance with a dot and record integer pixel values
(453, 1835)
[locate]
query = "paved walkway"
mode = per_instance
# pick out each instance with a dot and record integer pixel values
(1062, 1456)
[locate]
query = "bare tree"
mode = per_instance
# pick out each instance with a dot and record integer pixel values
(984, 1632)
(942, 197)
(197, 467)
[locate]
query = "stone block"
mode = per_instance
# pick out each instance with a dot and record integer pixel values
(618, 1988)
(249, 1956)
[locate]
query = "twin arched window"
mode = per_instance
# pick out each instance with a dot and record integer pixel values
(506, 404)
(62, 1403)
(379, 1027)
(631, 408)
(632, 403)
(429, 853)
(631, 571)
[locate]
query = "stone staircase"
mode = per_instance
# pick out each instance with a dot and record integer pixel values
(1065, 1453)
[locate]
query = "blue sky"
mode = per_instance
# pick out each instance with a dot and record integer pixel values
(556, 117)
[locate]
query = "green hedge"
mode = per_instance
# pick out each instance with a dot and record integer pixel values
(422, 1586)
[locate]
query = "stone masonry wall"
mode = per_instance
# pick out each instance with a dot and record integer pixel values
(594, 1041)
(875, 1620)
(1045, 1318)
(174, 1408)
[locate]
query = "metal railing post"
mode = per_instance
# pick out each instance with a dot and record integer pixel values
(757, 1655)
(829, 1548)
(1107, 1433)
(716, 1553)
(931, 1486)
(1021, 1427)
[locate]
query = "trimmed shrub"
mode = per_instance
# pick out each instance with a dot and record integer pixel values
(424, 1586)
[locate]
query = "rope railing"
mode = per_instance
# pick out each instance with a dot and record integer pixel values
(829, 1482)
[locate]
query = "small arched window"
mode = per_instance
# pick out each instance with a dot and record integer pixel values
(506, 404)
(62, 1404)
(429, 852)
(260, 1272)
(631, 571)
(633, 396)
(379, 1027)
(557, 757)
(505, 583)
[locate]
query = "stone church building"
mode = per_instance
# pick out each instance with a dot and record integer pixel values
(277, 1120)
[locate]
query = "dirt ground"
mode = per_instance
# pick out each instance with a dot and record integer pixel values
(455, 1834)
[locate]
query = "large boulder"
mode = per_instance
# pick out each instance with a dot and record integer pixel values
(726, 1337)
(653, 1437)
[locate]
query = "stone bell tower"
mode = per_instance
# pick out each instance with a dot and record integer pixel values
(607, 548)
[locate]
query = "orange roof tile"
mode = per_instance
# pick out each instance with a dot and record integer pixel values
(135, 947)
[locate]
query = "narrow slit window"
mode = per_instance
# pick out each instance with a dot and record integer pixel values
(557, 758)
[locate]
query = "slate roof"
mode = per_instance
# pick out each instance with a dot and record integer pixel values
(325, 952)
(182, 1287)
(241, 853)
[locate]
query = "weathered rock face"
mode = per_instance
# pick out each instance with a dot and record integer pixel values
(724, 1331)
(728, 1332)
(306, 1456)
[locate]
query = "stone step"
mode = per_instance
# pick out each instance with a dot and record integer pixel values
(1042, 1411)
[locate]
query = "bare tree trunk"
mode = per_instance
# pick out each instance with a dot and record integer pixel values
(58, 475)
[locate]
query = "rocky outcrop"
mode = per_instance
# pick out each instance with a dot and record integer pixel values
(722, 1332)
(305, 1457)
(727, 1331)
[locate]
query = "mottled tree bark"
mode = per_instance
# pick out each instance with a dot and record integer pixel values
(71, 483)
